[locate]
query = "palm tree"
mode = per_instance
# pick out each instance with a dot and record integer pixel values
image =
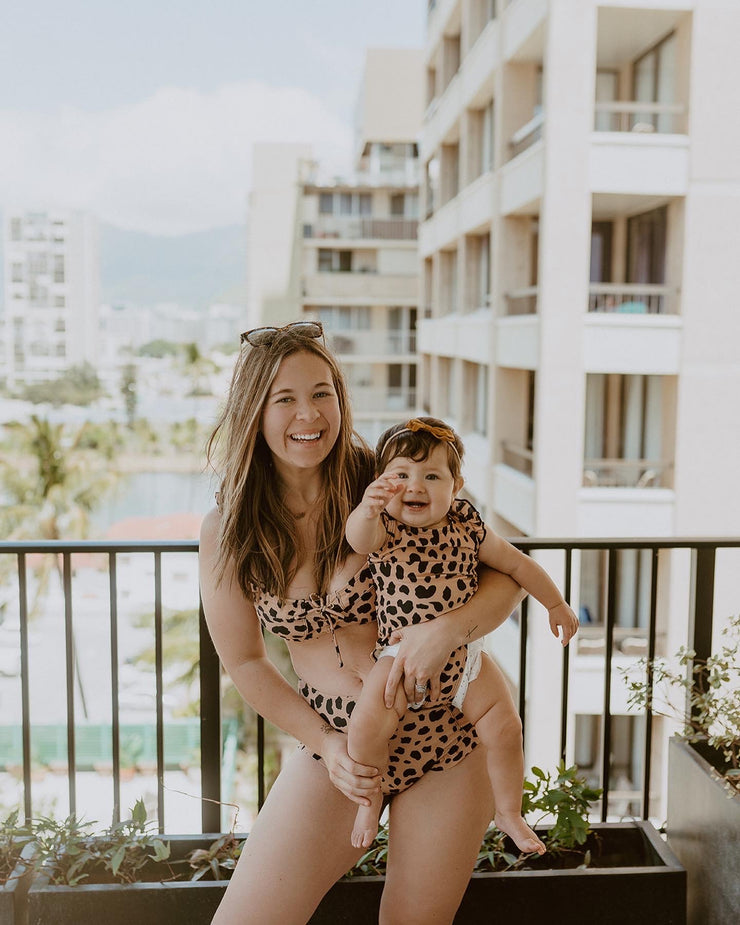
(52, 480)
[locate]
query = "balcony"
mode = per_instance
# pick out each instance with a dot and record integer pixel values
(643, 118)
(365, 345)
(626, 473)
(361, 229)
(358, 288)
(376, 402)
(632, 299)
(83, 628)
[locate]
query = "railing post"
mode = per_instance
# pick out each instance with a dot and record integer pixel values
(701, 604)
(210, 730)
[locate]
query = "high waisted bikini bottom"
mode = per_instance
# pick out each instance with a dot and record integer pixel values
(429, 739)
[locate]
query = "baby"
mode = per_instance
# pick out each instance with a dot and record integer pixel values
(425, 544)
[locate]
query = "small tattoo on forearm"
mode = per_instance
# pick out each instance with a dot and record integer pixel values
(471, 631)
(326, 728)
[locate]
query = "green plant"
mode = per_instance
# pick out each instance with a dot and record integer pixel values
(70, 852)
(373, 861)
(709, 690)
(565, 796)
(218, 860)
(13, 838)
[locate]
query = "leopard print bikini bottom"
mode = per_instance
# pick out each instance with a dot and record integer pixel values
(429, 739)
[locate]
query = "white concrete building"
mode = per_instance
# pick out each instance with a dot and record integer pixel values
(52, 293)
(344, 249)
(581, 209)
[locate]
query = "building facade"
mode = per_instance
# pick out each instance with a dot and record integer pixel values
(351, 260)
(52, 294)
(580, 205)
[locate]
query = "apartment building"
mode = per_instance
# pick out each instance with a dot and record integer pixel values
(580, 202)
(351, 259)
(52, 298)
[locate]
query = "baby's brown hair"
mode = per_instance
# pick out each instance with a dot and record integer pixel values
(416, 439)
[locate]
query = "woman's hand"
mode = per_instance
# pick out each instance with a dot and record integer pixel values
(425, 650)
(356, 781)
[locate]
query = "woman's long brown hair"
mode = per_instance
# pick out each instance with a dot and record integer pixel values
(258, 532)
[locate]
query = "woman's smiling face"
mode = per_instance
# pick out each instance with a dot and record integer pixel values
(301, 417)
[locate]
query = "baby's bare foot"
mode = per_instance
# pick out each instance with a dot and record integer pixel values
(519, 832)
(366, 823)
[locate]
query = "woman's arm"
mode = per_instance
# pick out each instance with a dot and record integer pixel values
(426, 647)
(237, 636)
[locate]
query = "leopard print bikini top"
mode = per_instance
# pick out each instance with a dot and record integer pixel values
(300, 619)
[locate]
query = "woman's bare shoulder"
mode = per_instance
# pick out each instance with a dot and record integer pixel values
(209, 528)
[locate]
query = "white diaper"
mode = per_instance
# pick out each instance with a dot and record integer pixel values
(470, 671)
(392, 652)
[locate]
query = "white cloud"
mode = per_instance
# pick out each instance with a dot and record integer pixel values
(179, 161)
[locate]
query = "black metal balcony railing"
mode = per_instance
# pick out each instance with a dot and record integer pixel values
(700, 605)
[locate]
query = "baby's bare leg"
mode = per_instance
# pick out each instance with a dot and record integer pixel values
(489, 705)
(370, 727)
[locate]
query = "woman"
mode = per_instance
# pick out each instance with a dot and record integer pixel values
(273, 554)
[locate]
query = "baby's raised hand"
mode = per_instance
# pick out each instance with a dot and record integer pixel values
(562, 615)
(379, 493)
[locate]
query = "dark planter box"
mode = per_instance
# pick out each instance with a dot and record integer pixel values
(13, 893)
(703, 827)
(154, 903)
(643, 884)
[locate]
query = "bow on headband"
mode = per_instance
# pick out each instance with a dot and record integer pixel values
(442, 433)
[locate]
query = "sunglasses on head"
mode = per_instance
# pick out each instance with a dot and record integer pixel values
(263, 337)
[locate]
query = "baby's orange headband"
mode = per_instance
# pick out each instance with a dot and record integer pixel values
(444, 433)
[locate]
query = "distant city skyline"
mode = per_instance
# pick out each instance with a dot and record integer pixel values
(146, 114)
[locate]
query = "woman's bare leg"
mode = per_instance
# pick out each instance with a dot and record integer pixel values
(489, 705)
(436, 829)
(370, 728)
(298, 848)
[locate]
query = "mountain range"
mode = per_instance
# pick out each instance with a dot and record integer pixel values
(193, 270)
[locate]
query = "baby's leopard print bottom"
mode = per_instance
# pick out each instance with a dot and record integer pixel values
(429, 739)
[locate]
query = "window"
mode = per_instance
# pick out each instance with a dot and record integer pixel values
(398, 201)
(366, 204)
(345, 317)
(401, 330)
(334, 261)
(601, 252)
(16, 229)
(37, 264)
(401, 386)
(479, 276)
(326, 203)
(58, 268)
(448, 282)
(450, 175)
(624, 430)
(646, 247)
(654, 81)
(625, 771)
(632, 587)
(60, 301)
(17, 273)
(607, 91)
(432, 186)
(345, 203)
(479, 393)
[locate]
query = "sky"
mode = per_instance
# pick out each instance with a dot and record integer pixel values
(145, 111)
